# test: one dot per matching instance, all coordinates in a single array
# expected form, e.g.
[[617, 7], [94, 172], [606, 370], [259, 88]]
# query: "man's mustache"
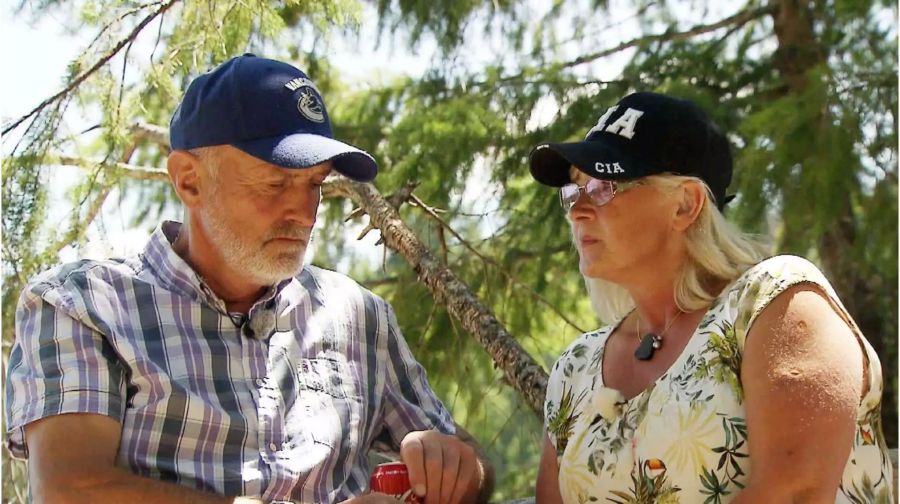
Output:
[[290, 231]]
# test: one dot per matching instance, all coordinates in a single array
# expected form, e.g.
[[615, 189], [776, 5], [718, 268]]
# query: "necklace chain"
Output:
[[651, 342], [664, 331]]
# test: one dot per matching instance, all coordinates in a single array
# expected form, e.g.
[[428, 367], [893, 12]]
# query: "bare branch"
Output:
[[519, 368], [103, 60], [398, 198]]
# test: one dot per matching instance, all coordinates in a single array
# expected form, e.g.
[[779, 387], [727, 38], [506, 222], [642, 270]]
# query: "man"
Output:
[[214, 367]]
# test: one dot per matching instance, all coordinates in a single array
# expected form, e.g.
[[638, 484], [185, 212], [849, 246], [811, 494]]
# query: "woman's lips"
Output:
[[587, 240]]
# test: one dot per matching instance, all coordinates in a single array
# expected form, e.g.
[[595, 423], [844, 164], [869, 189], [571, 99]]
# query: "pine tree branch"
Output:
[[102, 61], [119, 19]]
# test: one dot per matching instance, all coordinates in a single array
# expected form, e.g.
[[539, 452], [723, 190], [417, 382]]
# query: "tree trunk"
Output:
[[798, 52]]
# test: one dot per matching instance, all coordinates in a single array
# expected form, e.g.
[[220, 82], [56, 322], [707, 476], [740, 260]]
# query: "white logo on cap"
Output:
[[298, 82], [608, 168], [310, 105], [624, 125]]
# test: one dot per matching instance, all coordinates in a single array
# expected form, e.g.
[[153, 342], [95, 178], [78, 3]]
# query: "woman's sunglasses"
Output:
[[599, 192]]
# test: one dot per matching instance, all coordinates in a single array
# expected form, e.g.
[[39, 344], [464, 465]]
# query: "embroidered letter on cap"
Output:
[[602, 121], [299, 82], [624, 125]]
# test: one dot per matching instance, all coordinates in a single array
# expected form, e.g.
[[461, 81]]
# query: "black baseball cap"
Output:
[[268, 109], [644, 134]]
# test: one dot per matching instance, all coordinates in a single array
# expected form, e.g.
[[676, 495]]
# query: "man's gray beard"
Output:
[[250, 258]]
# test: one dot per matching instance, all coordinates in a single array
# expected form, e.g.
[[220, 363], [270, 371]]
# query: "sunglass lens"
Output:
[[600, 191], [568, 195]]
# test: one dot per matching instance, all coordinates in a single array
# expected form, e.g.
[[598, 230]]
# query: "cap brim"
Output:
[[550, 163], [303, 150]]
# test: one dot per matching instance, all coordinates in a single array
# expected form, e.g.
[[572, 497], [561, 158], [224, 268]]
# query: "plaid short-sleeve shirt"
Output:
[[283, 403]]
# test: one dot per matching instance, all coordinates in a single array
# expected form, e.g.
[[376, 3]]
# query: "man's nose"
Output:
[[301, 203]]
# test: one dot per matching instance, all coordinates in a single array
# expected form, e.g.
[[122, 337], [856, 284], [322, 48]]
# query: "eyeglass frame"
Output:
[[616, 185]]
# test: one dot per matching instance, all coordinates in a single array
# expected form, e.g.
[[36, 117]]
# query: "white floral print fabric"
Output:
[[684, 438]]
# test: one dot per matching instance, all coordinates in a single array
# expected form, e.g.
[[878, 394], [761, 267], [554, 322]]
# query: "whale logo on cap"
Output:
[[310, 105]]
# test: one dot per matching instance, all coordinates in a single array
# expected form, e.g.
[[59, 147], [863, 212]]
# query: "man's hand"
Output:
[[442, 468], [372, 498]]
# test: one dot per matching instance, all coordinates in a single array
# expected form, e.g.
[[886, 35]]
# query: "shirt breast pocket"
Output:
[[328, 405], [331, 377]]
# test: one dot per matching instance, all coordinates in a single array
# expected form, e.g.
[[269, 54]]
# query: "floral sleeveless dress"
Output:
[[684, 439]]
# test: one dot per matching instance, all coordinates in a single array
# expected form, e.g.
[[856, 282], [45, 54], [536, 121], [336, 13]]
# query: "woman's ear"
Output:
[[184, 172], [693, 196]]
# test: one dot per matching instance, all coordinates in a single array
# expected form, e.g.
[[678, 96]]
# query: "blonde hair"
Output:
[[717, 253]]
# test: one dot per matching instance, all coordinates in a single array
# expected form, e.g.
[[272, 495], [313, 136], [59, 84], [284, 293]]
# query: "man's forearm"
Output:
[[123, 486]]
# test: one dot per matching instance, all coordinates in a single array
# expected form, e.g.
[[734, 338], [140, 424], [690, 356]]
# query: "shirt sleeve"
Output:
[[409, 403], [768, 279], [552, 399], [58, 364]]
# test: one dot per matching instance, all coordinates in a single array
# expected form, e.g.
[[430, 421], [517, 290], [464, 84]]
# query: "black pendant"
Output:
[[649, 343]]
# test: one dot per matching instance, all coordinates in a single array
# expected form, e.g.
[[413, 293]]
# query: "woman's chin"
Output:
[[591, 269]]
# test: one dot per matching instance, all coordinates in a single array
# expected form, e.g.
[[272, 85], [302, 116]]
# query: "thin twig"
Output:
[[369, 284], [505, 424], [739, 19], [104, 60], [156, 134], [125, 169], [430, 211], [118, 20]]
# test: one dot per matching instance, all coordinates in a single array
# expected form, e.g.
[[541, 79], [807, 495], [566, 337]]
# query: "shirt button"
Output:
[[273, 447], [259, 382]]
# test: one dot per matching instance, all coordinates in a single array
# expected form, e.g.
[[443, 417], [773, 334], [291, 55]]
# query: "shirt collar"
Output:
[[176, 275]]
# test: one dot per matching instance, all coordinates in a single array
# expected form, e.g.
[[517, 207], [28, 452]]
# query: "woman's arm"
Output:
[[547, 491], [802, 375]]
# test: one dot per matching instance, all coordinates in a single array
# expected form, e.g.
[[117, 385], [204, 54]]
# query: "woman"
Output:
[[724, 376]]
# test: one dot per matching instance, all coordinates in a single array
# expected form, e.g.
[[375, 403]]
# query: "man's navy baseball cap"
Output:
[[267, 109], [644, 134]]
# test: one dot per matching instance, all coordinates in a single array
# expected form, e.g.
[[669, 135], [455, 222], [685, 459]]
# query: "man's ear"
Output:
[[184, 172], [693, 196]]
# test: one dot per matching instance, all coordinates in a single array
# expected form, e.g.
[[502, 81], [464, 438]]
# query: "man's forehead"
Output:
[[320, 170], [251, 167]]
